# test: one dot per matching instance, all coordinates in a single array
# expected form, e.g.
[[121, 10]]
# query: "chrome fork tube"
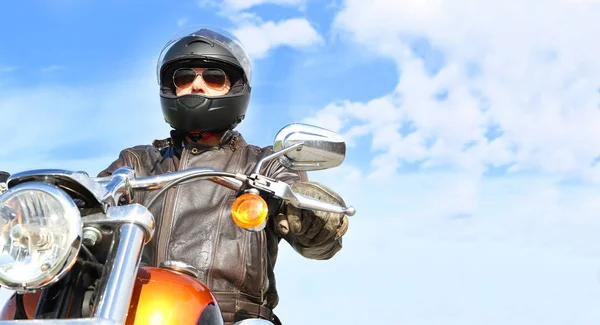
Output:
[[118, 280]]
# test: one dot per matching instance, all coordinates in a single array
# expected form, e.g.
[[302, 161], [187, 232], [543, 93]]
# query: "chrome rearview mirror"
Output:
[[315, 148]]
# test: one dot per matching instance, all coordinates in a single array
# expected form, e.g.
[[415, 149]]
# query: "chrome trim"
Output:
[[93, 188], [73, 218], [306, 202], [121, 267], [115, 216], [284, 191], [116, 285], [91, 235], [253, 321], [322, 148], [232, 181], [277, 154], [118, 185], [180, 267]]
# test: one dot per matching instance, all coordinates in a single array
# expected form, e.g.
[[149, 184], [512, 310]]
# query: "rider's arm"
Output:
[[124, 159], [315, 235]]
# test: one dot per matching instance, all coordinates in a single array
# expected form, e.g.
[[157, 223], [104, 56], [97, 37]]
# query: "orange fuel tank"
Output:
[[160, 296], [166, 297]]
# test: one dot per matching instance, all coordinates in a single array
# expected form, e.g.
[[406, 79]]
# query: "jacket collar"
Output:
[[231, 138]]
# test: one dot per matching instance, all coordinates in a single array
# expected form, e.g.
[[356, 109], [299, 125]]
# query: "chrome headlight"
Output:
[[253, 321], [40, 235]]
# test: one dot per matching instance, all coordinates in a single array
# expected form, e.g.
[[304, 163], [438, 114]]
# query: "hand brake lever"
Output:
[[284, 191]]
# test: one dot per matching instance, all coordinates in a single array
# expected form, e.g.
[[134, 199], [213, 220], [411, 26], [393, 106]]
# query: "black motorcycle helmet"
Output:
[[204, 47]]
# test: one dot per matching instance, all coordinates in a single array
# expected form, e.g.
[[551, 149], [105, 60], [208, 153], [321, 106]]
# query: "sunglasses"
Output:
[[213, 78]]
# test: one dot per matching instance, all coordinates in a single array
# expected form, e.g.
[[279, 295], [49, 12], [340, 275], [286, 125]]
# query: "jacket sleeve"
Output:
[[322, 251], [118, 163], [125, 159]]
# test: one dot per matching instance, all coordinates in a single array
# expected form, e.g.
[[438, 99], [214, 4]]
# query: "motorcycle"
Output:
[[71, 245]]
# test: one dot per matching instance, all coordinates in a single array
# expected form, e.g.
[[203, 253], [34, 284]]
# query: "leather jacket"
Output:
[[194, 223]]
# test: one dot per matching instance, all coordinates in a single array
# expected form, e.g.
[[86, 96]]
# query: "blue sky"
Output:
[[472, 131]]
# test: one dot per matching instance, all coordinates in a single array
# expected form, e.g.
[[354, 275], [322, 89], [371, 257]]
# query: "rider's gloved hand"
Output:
[[314, 234]]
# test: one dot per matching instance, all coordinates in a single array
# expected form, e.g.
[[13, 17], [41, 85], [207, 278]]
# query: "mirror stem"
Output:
[[275, 155]]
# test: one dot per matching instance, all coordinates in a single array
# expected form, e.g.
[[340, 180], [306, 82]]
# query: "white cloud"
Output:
[[47, 125], [536, 70], [428, 247], [240, 5], [450, 248], [331, 117], [262, 38], [232, 8]]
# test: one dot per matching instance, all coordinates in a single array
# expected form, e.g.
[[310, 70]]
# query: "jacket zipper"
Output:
[[167, 217], [262, 264]]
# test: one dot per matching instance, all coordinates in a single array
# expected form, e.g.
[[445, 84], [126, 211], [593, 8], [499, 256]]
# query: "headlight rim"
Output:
[[67, 260]]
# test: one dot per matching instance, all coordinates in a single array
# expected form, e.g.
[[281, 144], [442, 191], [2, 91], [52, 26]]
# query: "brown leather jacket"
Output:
[[194, 223]]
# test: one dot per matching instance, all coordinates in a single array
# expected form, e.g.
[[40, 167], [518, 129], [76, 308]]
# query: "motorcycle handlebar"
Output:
[[230, 180], [307, 202], [235, 182]]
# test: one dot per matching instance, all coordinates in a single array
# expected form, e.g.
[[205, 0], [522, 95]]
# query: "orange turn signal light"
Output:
[[249, 211]]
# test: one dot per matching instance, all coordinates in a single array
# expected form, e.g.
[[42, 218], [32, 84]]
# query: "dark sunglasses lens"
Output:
[[184, 78], [214, 78]]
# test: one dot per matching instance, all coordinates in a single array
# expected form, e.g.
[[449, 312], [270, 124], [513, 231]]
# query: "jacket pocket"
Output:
[[255, 277]]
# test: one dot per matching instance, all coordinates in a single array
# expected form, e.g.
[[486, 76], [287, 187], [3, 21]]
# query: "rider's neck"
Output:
[[212, 140]]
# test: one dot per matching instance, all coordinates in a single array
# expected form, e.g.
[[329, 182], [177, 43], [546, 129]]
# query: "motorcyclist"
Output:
[[205, 86]]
